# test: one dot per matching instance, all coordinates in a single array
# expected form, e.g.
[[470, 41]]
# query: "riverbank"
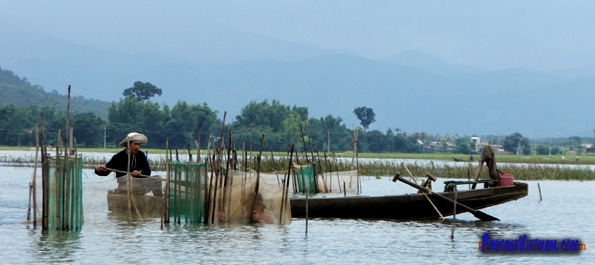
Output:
[[374, 165]]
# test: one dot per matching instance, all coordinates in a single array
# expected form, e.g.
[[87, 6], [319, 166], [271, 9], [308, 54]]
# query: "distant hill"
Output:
[[21, 93], [411, 91]]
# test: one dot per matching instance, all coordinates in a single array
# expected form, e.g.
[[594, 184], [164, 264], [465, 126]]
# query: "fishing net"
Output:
[[64, 194], [305, 179], [346, 182], [138, 197], [187, 192], [242, 197]]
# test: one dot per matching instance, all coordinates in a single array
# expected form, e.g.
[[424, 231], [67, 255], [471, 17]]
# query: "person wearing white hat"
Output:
[[139, 165]]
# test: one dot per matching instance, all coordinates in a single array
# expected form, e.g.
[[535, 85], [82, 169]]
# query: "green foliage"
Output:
[[142, 91], [88, 129], [543, 149], [574, 143], [517, 144], [463, 146], [181, 125], [365, 115], [279, 123], [291, 127]]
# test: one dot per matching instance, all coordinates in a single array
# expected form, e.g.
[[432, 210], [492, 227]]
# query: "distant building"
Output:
[[476, 140]]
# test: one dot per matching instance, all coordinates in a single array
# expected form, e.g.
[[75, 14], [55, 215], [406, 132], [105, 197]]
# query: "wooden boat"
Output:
[[470, 159], [145, 198], [409, 206]]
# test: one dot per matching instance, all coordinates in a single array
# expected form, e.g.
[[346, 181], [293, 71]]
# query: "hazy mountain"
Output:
[[432, 64], [413, 91], [20, 92]]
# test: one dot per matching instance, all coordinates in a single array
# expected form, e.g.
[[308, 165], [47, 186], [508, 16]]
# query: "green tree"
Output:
[[462, 146], [365, 115], [543, 149], [10, 116], [279, 124], [88, 129], [329, 128], [517, 144], [186, 121], [291, 130], [264, 114], [575, 143], [374, 141], [142, 91], [132, 115]]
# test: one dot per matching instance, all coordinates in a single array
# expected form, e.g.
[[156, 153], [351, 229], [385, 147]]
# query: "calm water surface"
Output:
[[566, 212]]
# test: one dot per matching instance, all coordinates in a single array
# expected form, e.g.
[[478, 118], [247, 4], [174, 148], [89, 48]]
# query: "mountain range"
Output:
[[411, 91]]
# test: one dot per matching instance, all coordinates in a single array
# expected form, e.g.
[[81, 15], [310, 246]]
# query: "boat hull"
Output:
[[411, 206], [145, 206]]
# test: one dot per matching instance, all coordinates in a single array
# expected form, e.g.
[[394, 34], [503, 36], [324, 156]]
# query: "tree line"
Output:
[[184, 125]]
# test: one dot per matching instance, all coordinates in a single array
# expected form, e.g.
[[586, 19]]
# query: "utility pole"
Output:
[[328, 146], [104, 136]]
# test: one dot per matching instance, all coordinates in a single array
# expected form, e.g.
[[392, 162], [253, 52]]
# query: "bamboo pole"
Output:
[[285, 195], [178, 191], [257, 186], [314, 162], [454, 217], [165, 215], [539, 188], [328, 169], [304, 144], [206, 199], [34, 180], [307, 210], [309, 139], [425, 194], [228, 180], [208, 184], [29, 207], [129, 180], [189, 153], [198, 160], [44, 176], [56, 180], [65, 196], [219, 180]]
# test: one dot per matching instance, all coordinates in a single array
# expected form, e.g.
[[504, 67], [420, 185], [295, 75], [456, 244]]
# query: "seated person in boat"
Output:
[[139, 165]]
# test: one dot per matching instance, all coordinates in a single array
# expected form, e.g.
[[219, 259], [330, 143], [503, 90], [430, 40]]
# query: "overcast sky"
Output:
[[533, 34]]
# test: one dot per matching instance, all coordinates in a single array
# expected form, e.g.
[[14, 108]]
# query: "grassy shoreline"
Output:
[[588, 159], [522, 167]]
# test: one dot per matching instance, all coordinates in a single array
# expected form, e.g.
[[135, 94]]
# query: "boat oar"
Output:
[[124, 172], [479, 214], [425, 194]]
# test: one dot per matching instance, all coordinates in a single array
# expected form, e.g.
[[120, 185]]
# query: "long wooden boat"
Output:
[[409, 206]]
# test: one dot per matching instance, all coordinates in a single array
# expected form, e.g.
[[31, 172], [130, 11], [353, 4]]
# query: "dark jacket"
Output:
[[119, 161]]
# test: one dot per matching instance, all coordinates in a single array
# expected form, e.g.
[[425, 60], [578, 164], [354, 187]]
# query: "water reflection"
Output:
[[564, 212], [56, 246]]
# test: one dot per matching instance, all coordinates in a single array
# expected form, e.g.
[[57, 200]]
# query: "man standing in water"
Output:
[[139, 165]]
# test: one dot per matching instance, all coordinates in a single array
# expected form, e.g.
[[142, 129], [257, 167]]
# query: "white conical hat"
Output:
[[134, 137]]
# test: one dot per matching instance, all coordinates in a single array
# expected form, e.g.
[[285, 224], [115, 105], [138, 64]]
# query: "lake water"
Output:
[[566, 212]]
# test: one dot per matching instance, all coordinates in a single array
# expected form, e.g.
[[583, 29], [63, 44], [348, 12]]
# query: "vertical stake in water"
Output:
[[454, 217], [307, 191], [539, 188]]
